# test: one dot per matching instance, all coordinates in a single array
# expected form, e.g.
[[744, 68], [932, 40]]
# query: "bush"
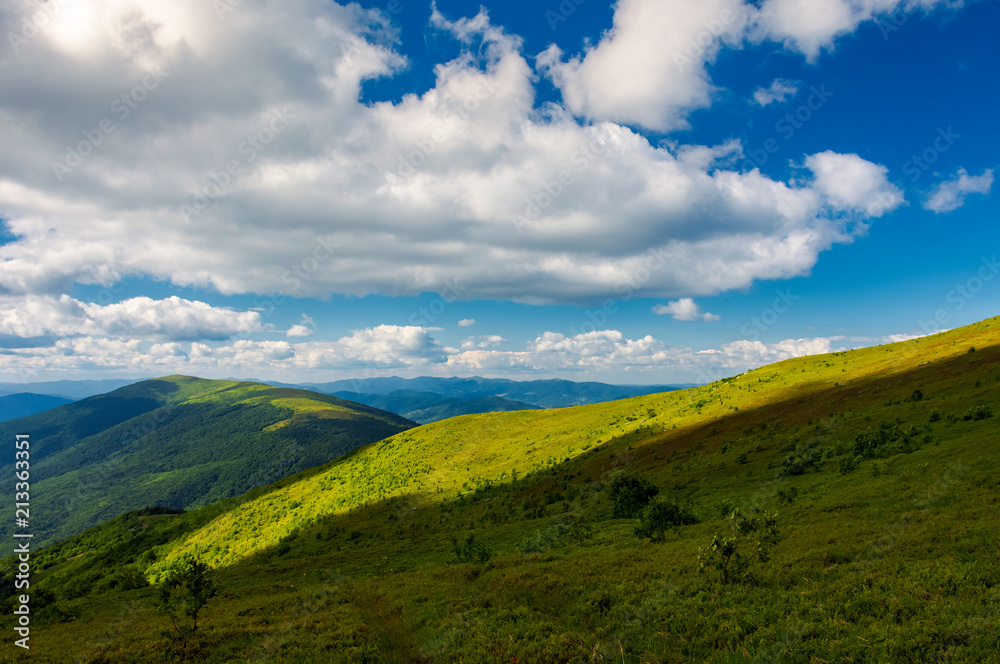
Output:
[[735, 557], [849, 464], [885, 441], [471, 551], [630, 494], [978, 413], [571, 529], [661, 515], [804, 457]]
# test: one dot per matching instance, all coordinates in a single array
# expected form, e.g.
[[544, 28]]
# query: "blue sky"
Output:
[[643, 192]]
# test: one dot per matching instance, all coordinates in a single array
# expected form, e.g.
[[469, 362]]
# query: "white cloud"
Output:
[[849, 182], [305, 328], [468, 182], [467, 322], [684, 309], [413, 351], [484, 341], [950, 194], [808, 26], [649, 69], [779, 90], [173, 318]]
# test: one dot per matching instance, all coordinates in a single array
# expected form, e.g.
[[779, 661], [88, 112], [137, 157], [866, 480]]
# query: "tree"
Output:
[[184, 593]]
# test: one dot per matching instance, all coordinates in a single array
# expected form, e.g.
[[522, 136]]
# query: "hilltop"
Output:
[[867, 477], [179, 442]]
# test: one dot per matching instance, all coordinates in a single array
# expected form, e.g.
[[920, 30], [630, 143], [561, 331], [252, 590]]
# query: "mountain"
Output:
[[178, 442], [13, 406], [551, 393], [68, 389], [835, 508], [426, 407]]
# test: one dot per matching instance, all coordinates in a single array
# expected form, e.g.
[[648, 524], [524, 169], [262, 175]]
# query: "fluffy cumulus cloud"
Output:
[[950, 194], [684, 309], [483, 341], [779, 90], [467, 322], [850, 183], [808, 26], [233, 153], [173, 318]]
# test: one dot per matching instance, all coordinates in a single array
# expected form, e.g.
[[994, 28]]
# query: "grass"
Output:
[[888, 556]]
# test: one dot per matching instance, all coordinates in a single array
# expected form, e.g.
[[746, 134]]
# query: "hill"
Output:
[[68, 389], [13, 406], [551, 393], [832, 508], [426, 407], [178, 442]]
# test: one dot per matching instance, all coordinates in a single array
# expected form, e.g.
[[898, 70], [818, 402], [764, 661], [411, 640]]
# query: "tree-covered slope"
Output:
[[179, 442]]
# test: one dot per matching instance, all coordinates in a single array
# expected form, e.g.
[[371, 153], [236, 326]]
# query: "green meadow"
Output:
[[831, 508]]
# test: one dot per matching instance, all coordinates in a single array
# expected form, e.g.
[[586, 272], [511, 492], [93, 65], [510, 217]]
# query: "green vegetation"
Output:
[[178, 442], [184, 592], [837, 521]]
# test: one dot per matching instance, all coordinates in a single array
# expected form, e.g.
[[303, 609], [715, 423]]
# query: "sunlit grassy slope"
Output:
[[444, 459], [181, 442], [884, 557]]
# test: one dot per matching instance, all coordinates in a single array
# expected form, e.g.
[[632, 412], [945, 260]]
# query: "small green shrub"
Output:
[[661, 515], [630, 494], [472, 551], [735, 557], [978, 413]]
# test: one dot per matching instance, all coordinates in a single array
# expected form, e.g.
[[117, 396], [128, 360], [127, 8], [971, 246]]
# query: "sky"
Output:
[[646, 191]]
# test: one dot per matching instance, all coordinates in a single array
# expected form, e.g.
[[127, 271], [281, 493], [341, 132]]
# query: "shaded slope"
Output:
[[180, 442], [13, 406]]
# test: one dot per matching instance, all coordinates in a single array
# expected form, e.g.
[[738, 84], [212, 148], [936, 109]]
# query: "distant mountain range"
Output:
[[21, 405], [178, 442], [552, 393], [69, 389], [427, 407], [423, 400]]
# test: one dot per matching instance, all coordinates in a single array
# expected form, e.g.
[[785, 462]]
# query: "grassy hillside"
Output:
[[865, 498], [179, 442]]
